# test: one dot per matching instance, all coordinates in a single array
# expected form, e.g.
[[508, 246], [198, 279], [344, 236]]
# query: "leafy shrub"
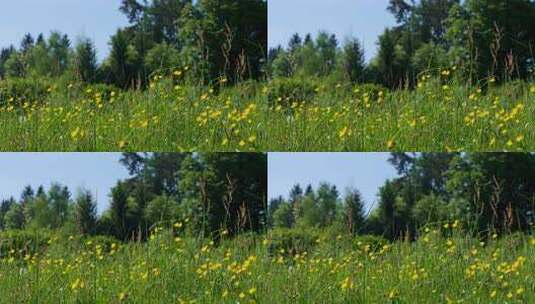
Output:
[[373, 242], [100, 241], [162, 58], [159, 85], [24, 90], [18, 243], [430, 57], [370, 90], [286, 91], [105, 91], [292, 241]]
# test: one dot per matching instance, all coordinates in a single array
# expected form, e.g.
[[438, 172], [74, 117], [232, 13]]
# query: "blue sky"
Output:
[[95, 19], [363, 19], [97, 172], [364, 171]]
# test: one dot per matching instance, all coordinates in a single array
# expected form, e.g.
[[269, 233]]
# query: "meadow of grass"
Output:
[[441, 114], [442, 266]]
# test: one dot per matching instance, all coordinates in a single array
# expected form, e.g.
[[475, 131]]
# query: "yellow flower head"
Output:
[[123, 296]]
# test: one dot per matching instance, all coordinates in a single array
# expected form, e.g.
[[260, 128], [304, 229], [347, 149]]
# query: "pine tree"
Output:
[[27, 194], [15, 66], [59, 200], [353, 61], [295, 42], [27, 43], [119, 209], [5, 53], [296, 193], [58, 48], [385, 59], [283, 216], [326, 201], [40, 40], [123, 60], [14, 218], [85, 213], [390, 206], [85, 61], [5, 205], [353, 211]]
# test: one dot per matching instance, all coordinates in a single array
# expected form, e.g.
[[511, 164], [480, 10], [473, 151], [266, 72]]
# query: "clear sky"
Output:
[[362, 19], [95, 19], [97, 172], [364, 171]]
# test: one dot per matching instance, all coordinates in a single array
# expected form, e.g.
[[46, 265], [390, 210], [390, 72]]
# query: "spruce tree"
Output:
[[85, 61], [85, 213]]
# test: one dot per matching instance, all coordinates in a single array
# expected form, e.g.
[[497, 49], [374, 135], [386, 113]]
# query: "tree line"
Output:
[[482, 39], [210, 38], [214, 192], [207, 192], [484, 192]]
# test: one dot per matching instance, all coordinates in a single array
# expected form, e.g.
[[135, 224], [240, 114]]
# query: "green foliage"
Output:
[[19, 243], [103, 242], [353, 212], [85, 213], [26, 43], [5, 205], [38, 213], [38, 61], [124, 60], [58, 47], [105, 92], [84, 61], [162, 58], [226, 196], [373, 242], [430, 58], [290, 242], [283, 216], [161, 210], [502, 188], [287, 91], [120, 209], [327, 200], [282, 65], [14, 66], [353, 63], [370, 90], [59, 200], [5, 53], [393, 60], [429, 209], [478, 37], [308, 212], [219, 40], [24, 90], [389, 211], [14, 217]]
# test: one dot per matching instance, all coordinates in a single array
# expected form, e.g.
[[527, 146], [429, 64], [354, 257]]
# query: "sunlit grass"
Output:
[[439, 115], [175, 268]]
